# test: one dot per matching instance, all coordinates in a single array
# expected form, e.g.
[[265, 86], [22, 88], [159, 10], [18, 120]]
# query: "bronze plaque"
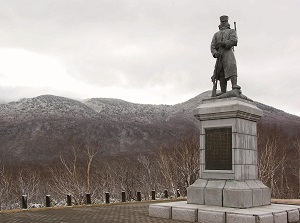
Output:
[[218, 149]]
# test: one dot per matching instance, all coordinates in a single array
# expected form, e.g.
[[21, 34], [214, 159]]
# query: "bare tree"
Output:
[[296, 168], [272, 159], [73, 174], [146, 174], [179, 165], [187, 158], [91, 153], [165, 164], [5, 188]]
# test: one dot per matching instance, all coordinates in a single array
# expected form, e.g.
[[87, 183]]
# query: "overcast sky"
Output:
[[146, 51]]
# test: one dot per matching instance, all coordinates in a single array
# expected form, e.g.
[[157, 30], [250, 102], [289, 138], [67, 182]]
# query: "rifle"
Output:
[[235, 31], [214, 90], [215, 80]]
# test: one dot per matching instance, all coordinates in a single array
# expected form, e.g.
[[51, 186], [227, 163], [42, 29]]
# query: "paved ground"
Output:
[[123, 213]]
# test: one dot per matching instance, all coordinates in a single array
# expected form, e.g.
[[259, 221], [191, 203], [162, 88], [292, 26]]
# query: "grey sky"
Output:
[[146, 51]]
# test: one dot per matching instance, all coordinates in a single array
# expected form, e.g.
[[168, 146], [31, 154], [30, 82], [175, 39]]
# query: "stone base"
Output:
[[274, 213], [229, 193]]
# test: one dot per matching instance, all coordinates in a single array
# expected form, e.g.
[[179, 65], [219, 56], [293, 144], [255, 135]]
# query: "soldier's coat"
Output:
[[227, 65]]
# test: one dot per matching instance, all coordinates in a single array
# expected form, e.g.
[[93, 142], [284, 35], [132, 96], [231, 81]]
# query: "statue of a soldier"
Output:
[[222, 48]]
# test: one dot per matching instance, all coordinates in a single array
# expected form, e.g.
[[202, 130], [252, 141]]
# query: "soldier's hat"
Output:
[[224, 18]]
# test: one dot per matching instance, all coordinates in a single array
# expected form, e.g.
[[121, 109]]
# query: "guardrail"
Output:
[[88, 200]]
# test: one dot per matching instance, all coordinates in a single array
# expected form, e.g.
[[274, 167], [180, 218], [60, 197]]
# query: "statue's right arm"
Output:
[[213, 44]]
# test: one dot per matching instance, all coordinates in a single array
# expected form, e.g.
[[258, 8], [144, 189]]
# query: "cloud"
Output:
[[158, 49]]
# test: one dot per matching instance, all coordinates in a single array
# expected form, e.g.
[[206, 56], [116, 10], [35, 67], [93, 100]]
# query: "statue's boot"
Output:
[[223, 85], [234, 83]]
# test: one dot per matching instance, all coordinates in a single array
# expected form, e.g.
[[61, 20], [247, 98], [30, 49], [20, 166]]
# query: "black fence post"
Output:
[[69, 200], [48, 201], [139, 196], [88, 199], [24, 201], [166, 194], [123, 196], [177, 193], [153, 194], [107, 198]]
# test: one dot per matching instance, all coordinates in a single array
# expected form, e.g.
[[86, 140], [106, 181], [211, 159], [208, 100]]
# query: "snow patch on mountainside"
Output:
[[36, 128]]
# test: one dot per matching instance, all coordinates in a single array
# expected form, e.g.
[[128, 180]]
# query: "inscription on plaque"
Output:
[[218, 149]]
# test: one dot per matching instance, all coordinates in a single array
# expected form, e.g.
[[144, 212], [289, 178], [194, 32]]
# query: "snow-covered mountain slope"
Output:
[[45, 106], [37, 129], [120, 110]]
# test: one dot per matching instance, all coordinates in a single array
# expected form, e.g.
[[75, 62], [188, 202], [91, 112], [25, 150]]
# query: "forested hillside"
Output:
[[58, 146]]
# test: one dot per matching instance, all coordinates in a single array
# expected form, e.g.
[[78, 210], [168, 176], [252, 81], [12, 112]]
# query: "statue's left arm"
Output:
[[232, 40]]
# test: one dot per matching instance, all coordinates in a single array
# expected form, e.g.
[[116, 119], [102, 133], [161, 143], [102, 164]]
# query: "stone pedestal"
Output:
[[228, 190], [228, 155], [274, 213]]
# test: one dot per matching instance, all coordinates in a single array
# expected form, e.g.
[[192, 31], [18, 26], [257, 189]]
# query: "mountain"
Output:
[[39, 129], [272, 116]]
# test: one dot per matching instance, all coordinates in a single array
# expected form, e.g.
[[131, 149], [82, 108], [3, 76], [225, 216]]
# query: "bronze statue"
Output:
[[222, 48]]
